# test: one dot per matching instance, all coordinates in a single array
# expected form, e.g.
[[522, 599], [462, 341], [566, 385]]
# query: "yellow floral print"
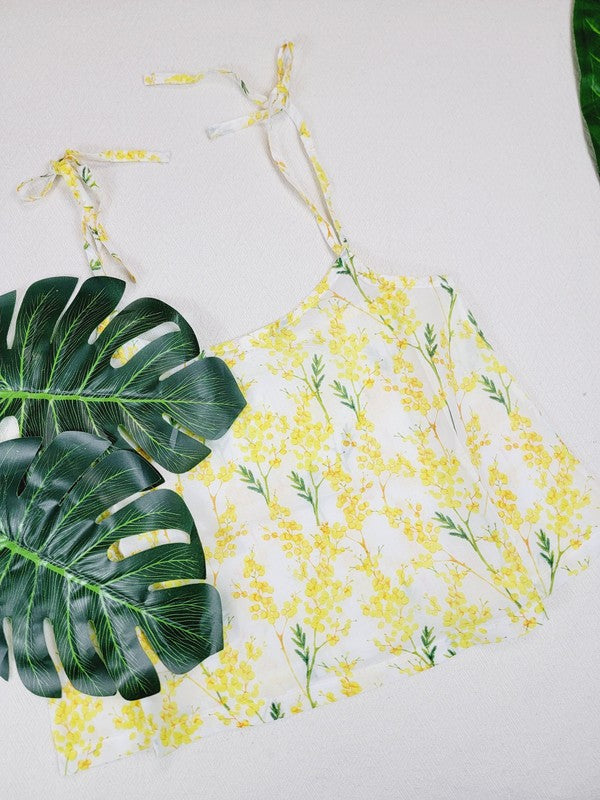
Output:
[[389, 497]]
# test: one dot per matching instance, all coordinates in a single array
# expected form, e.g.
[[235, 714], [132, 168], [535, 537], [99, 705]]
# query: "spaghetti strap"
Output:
[[83, 188], [267, 106]]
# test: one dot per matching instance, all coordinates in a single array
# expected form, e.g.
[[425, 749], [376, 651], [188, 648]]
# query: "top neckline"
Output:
[[267, 106], [325, 285]]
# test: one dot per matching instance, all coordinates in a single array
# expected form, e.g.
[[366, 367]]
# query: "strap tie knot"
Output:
[[83, 188], [268, 106]]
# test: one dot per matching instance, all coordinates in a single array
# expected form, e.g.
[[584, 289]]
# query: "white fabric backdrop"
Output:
[[452, 135]]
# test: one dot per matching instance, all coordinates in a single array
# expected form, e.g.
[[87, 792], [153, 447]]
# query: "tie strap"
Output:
[[84, 190], [267, 106]]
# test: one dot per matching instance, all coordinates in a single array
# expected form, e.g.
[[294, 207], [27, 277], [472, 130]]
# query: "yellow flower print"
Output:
[[344, 669], [141, 725], [389, 497], [73, 733]]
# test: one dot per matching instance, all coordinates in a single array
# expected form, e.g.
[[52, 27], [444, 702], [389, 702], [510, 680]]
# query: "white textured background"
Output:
[[451, 131]]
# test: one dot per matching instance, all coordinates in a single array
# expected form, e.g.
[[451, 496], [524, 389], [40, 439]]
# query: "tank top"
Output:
[[389, 497]]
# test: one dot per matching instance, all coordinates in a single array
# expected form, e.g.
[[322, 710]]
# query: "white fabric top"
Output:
[[536, 229]]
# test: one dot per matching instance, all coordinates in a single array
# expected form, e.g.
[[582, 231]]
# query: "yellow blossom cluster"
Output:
[[263, 436], [74, 728]]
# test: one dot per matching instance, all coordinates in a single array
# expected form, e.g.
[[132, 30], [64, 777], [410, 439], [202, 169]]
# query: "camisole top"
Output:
[[389, 497]]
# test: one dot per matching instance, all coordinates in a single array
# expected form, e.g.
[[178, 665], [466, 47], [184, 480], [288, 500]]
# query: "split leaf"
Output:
[[57, 523], [56, 376]]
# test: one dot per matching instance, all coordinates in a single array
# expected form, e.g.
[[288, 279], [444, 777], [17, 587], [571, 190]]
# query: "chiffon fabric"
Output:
[[389, 497]]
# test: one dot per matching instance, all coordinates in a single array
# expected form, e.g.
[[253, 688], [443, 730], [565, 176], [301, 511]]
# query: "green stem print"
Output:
[[427, 653], [345, 266], [86, 177], [429, 648], [217, 696], [275, 711], [551, 557], [308, 656], [464, 531], [431, 345], [447, 288], [317, 377], [350, 400], [547, 553], [258, 485], [527, 543], [478, 330], [454, 529], [314, 382], [428, 354], [498, 394], [501, 396], [308, 493]]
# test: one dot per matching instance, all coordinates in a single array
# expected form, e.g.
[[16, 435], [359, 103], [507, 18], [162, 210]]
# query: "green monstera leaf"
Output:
[[55, 376], [586, 34], [55, 536]]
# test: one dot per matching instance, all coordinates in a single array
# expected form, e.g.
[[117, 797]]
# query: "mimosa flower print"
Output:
[[389, 497]]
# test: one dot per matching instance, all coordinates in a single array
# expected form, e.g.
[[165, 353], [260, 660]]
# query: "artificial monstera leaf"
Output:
[[586, 31], [55, 536], [55, 376]]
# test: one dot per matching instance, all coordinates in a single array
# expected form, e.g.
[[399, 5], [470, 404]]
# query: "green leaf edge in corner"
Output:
[[586, 34], [56, 376], [55, 535]]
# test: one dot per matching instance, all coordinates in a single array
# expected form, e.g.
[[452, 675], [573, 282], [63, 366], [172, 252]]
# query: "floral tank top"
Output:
[[389, 497]]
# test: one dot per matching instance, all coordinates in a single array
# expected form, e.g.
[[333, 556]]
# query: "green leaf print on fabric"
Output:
[[57, 526], [501, 396], [55, 376], [551, 558], [308, 656], [478, 330], [464, 531], [314, 382], [253, 483], [345, 398], [430, 340], [448, 524], [308, 493], [429, 648]]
